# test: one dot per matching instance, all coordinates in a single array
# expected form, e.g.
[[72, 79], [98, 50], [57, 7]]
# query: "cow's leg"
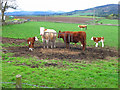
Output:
[[84, 45], [81, 45], [96, 44], [54, 44], [31, 49], [30, 46], [43, 43], [42, 38], [47, 41], [83, 42], [67, 45], [51, 44], [102, 44]]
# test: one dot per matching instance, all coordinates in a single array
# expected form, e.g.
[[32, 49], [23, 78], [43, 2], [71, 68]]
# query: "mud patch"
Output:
[[60, 52]]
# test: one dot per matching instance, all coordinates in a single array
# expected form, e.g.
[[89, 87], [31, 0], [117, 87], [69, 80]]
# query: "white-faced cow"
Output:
[[48, 36], [97, 40]]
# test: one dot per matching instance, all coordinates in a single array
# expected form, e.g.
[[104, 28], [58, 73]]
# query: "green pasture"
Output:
[[109, 21], [98, 74], [81, 74], [31, 29]]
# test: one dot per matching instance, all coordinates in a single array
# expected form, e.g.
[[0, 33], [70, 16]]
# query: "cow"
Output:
[[75, 37], [83, 26], [31, 41], [48, 36], [97, 40]]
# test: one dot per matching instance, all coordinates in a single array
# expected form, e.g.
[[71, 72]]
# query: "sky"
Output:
[[60, 5]]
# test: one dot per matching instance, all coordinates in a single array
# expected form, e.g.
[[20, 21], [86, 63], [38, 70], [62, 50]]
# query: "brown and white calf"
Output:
[[83, 26], [31, 41], [98, 40]]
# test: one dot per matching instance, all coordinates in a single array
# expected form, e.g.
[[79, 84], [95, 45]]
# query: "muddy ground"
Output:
[[58, 19], [58, 53]]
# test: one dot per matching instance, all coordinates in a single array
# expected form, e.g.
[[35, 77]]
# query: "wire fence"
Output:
[[25, 84]]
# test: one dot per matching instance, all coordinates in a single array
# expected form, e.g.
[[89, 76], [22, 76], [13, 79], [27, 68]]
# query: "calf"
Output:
[[98, 39], [83, 26], [31, 41]]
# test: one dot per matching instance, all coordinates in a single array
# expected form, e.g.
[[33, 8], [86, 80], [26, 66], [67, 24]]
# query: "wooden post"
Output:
[[18, 81]]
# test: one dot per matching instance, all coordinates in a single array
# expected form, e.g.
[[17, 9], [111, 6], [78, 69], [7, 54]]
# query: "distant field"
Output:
[[57, 19], [76, 16], [32, 29], [109, 21]]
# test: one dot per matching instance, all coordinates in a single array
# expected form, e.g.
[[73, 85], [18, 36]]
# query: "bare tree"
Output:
[[6, 4]]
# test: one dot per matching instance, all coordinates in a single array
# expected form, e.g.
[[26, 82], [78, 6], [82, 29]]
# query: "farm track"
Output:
[[73, 54], [58, 19]]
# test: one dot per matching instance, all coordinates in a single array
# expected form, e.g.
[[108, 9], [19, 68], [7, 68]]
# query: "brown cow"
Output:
[[31, 41], [75, 37]]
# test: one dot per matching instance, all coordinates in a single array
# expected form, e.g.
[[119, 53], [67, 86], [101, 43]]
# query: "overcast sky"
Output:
[[60, 5]]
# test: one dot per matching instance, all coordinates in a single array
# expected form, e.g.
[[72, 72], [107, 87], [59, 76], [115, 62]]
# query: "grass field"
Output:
[[32, 29], [109, 21], [98, 74], [81, 74]]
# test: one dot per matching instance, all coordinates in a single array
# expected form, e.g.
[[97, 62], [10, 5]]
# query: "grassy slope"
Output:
[[31, 29]]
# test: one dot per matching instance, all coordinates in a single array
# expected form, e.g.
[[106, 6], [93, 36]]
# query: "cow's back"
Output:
[[50, 36]]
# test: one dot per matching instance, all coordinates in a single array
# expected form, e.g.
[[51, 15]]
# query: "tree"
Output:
[[5, 5]]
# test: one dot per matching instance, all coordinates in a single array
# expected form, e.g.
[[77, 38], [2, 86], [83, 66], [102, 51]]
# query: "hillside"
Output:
[[33, 13], [104, 10]]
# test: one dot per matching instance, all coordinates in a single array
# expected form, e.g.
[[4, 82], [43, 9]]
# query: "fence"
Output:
[[14, 22], [19, 83]]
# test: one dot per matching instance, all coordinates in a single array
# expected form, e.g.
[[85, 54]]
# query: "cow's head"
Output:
[[36, 39], [92, 38], [42, 30]]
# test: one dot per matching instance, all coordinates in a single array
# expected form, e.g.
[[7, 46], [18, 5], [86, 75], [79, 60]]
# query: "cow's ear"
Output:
[[59, 31]]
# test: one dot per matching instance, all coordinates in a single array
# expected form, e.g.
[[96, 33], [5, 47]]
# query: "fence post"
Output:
[[18, 81]]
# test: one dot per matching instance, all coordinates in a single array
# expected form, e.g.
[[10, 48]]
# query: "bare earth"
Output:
[[58, 19], [60, 52]]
